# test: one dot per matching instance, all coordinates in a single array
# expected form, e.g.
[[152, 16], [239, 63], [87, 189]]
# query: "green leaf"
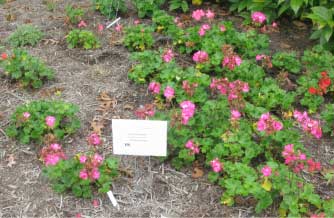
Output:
[[296, 4]]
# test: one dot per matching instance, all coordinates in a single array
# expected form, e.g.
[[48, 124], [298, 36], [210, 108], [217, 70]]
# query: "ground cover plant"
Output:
[[25, 35], [226, 109], [28, 71]]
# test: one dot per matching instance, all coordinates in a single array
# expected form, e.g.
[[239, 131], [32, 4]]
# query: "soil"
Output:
[[150, 188]]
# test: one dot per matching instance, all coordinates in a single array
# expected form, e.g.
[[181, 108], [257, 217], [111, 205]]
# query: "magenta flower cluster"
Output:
[[91, 167], [194, 149], [94, 139], [232, 89], [268, 124], [154, 87], [188, 111], [216, 165], [231, 61], [52, 154], [168, 56], [298, 160], [309, 125], [258, 17], [203, 29], [200, 57], [199, 14]]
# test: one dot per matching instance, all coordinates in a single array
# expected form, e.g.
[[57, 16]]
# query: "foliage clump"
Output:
[[25, 35]]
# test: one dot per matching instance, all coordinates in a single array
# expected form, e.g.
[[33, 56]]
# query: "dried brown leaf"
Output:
[[97, 126], [11, 160], [197, 173]]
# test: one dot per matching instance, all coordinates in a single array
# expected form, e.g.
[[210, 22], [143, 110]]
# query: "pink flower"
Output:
[[258, 17], [266, 171], [78, 215], [201, 32], [118, 27], [51, 159], [100, 27], [50, 121], [168, 56], [245, 87], [216, 165], [209, 14], [302, 157], [189, 144], [188, 111], [277, 125], [97, 159], [26, 115], [237, 60], [308, 124], [154, 87], [95, 174], [274, 25], [82, 159], [192, 147], [96, 203], [222, 28], [268, 124], [4, 56], [169, 93], [200, 57], [136, 22], [83, 174], [82, 24], [259, 57], [235, 114], [55, 147], [198, 14], [94, 139]]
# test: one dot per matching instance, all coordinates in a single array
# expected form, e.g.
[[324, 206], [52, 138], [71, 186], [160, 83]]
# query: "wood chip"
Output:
[[197, 173]]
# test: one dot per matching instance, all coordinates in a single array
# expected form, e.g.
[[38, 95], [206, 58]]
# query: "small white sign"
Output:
[[139, 137], [112, 199]]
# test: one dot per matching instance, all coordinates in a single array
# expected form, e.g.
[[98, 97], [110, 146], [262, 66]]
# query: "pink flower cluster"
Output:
[[189, 88], [297, 160], [52, 154], [231, 61], [188, 111], [118, 27], [232, 89], [50, 121], [203, 29], [266, 171], [194, 149], [309, 125], [168, 56], [235, 115], [91, 164], [154, 87], [94, 139], [200, 57], [199, 14], [82, 23], [26, 115], [216, 165], [268, 124], [258, 17], [145, 111], [169, 93]]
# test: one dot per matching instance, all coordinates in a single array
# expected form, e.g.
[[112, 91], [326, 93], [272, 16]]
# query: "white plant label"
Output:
[[113, 199], [139, 137]]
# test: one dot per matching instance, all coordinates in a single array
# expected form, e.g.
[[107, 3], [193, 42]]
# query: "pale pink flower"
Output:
[[95, 174], [97, 159], [245, 87], [266, 171], [189, 144], [136, 22], [100, 27], [55, 147], [51, 159], [258, 17], [82, 24], [201, 32], [216, 165], [50, 121], [82, 159], [235, 114], [188, 111], [200, 57], [168, 56], [94, 139], [169, 92], [198, 14], [26, 115], [274, 24], [259, 57], [237, 60], [154, 87], [83, 174], [222, 28], [210, 14], [118, 27]]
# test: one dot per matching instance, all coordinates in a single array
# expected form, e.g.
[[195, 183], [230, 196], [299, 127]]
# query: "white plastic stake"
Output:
[[113, 199], [112, 23]]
